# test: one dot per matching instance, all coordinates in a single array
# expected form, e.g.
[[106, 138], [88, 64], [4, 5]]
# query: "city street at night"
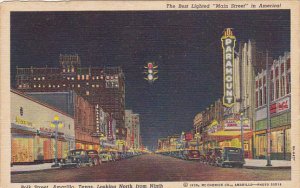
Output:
[[154, 96], [151, 167]]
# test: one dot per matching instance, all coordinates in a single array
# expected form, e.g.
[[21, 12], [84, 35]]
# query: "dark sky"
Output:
[[186, 46]]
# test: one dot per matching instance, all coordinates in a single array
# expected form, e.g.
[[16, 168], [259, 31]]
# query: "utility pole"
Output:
[[241, 102], [268, 113]]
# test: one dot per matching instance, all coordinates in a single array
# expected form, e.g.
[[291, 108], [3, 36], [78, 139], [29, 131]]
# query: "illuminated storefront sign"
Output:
[[188, 136], [109, 128], [280, 106], [228, 44], [21, 121], [233, 124]]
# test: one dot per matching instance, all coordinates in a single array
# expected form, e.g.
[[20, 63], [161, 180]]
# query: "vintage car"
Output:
[[77, 158], [105, 156], [215, 154], [191, 155], [230, 156], [93, 154]]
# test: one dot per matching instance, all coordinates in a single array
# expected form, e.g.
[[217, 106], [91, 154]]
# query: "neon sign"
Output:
[[228, 44]]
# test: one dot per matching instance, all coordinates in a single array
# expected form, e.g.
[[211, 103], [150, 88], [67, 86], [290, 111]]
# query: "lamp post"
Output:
[[197, 139], [56, 122], [268, 114]]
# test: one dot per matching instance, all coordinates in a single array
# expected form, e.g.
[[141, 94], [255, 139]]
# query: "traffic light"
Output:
[[151, 72]]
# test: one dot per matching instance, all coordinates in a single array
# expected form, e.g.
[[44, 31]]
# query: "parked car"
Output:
[[77, 158], [116, 156], [93, 154], [105, 156], [191, 154], [215, 155], [207, 155], [231, 156]]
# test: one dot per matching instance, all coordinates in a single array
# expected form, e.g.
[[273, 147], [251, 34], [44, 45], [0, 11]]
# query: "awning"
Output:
[[23, 128], [228, 135]]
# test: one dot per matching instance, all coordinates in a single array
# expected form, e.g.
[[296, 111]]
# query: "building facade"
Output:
[[33, 132], [102, 86], [280, 110], [132, 121], [80, 109]]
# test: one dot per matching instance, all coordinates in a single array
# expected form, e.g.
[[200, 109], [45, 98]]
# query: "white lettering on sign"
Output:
[[228, 44], [232, 124], [280, 106]]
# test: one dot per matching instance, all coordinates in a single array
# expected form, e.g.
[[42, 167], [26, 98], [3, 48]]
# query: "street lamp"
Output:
[[56, 123], [197, 139]]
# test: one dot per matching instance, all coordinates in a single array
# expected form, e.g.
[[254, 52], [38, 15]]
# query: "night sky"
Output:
[[185, 45]]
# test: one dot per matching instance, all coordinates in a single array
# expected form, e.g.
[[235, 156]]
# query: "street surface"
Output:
[[148, 168]]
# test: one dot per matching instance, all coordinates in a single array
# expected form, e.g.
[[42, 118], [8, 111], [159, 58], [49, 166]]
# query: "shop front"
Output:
[[280, 131], [228, 134], [32, 133]]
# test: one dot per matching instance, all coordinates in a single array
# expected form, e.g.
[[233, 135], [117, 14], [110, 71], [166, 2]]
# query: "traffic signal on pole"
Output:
[[151, 72]]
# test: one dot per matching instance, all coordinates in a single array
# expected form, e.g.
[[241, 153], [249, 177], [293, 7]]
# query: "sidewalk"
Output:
[[261, 163], [30, 168]]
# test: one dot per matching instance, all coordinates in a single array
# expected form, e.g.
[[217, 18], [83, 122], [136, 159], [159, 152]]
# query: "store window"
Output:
[[288, 140]]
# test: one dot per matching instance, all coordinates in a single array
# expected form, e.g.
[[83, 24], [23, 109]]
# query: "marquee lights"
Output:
[[228, 44]]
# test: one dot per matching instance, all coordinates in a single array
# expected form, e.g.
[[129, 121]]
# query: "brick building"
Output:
[[102, 86]]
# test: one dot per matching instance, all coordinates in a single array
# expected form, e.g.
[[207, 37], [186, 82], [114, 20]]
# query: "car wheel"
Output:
[[78, 164], [91, 162], [96, 162]]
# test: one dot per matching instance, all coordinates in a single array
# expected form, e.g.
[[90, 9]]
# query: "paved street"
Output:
[[150, 167]]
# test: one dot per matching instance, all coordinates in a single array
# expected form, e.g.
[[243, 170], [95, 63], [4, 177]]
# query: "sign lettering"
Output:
[[228, 44]]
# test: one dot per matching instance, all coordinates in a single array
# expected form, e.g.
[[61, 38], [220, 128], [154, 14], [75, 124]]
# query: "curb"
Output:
[[267, 168], [29, 171]]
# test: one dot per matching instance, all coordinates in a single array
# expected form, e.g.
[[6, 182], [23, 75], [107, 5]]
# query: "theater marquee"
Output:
[[228, 44]]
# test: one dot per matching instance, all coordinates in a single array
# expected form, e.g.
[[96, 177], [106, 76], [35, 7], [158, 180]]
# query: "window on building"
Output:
[[97, 85], [288, 83], [34, 86], [49, 85], [272, 90], [43, 78], [72, 78], [78, 85], [87, 77], [82, 77], [87, 93], [93, 85], [64, 70], [53, 86], [277, 89], [58, 86], [39, 78], [34, 78], [283, 87], [68, 78], [39, 85], [72, 69], [260, 96], [265, 95]]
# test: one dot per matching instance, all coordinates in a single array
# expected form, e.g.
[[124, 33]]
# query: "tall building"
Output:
[[132, 121], [280, 110], [102, 86]]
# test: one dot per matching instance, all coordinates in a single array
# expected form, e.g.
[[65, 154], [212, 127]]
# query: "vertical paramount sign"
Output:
[[228, 44]]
